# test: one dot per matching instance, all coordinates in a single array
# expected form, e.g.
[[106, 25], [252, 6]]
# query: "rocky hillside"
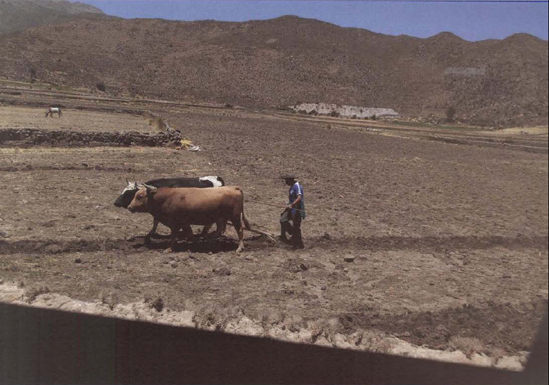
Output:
[[288, 61], [17, 15]]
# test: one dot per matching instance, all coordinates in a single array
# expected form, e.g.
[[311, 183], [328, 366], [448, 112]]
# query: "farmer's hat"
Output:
[[289, 176]]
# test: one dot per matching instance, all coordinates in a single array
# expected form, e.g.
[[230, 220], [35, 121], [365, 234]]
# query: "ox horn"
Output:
[[150, 188]]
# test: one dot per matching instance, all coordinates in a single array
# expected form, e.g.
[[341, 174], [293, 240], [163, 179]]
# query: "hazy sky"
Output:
[[470, 20]]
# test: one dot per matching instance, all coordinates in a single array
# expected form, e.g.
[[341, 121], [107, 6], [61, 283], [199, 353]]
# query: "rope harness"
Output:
[[271, 205]]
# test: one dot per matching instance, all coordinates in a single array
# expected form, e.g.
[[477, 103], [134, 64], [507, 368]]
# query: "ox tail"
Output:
[[248, 226], [244, 219]]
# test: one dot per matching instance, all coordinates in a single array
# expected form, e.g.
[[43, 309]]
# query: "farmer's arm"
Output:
[[296, 202]]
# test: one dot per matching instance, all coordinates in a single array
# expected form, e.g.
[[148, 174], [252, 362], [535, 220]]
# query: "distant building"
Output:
[[345, 111]]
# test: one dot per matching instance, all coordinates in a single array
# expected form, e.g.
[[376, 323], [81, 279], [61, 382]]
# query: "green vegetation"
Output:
[[443, 127], [32, 75], [450, 114]]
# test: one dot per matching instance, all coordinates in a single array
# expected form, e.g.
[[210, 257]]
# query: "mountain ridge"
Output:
[[289, 60], [19, 15]]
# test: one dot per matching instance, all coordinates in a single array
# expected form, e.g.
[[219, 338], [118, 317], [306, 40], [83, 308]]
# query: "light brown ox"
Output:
[[179, 208]]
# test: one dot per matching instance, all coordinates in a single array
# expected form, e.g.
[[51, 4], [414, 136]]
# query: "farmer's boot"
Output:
[[297, 239]]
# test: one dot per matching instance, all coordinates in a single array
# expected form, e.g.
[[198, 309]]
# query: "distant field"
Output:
[[438, 127], [72, 119], [536, 131], [424, 241]]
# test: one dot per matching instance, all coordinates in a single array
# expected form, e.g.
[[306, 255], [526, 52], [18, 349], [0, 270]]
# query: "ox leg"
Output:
[[174, 240], [221, 225], [153, 231], [187, 232], [220, 230], [205, 230], [240, 231]]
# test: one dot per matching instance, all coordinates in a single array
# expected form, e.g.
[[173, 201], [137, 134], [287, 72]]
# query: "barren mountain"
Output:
[[284, 61], [17, 15]]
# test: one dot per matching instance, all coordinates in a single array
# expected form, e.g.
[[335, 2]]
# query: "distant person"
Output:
[[294, 213]]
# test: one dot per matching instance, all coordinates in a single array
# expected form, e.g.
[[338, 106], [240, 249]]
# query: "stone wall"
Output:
[[58, 138]]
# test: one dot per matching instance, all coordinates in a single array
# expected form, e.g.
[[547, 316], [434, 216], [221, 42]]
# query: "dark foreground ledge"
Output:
[[40, 346], [26, 137]]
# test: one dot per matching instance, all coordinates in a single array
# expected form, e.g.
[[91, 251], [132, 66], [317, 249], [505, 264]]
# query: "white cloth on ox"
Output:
[[214, 179], [132, 186]]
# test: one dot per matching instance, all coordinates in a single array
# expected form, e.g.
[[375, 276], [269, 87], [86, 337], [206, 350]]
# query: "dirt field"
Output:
[[431, 242]]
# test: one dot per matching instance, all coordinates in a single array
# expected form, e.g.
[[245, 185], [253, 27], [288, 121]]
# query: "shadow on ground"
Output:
[[44, 347], [226, 244]]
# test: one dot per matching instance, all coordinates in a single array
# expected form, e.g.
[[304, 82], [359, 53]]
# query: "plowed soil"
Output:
[[424, 240]]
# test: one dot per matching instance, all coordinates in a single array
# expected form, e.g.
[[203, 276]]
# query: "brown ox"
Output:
[[179, 208]]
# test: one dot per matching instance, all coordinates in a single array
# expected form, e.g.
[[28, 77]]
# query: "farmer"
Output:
[[295, 213]]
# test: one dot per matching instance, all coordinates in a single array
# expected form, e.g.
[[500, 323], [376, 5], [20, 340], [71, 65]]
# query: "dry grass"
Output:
[[158, 122], [110, 299], [73, 120], [33, 292], [536, 131], [469, 346]]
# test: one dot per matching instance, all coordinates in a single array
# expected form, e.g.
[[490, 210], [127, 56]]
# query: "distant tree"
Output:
[[450, 114], [101, 86], [374, 117]]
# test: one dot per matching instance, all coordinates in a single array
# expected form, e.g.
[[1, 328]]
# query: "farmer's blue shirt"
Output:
[[295, 191]]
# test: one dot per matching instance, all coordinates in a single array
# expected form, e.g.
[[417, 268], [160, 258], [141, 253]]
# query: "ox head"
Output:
[[140, 203], [127, 195]]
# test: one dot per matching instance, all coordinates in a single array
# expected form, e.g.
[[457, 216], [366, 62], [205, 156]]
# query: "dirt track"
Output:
[[447, 241]]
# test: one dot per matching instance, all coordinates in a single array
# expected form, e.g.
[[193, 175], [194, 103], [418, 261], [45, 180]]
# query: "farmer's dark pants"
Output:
[[294, 228]]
